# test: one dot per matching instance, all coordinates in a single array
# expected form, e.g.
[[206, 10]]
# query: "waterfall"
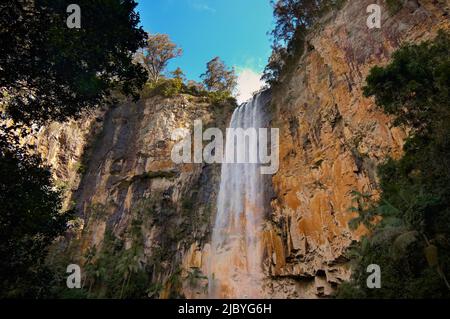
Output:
[[235, 269]]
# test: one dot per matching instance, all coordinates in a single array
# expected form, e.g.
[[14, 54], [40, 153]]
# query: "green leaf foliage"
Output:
[[411, 241], [30, 219], [51, 71]]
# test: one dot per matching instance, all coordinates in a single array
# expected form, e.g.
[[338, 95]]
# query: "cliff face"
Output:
[[332, 138], [117, 169]]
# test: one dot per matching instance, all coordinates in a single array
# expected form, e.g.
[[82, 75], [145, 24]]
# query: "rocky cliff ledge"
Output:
[[332, 140]]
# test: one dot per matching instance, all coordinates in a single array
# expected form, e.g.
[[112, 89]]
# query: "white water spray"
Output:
[[235, 269]]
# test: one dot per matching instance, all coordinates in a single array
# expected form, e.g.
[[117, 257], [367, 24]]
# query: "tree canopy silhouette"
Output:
[[49, 71]]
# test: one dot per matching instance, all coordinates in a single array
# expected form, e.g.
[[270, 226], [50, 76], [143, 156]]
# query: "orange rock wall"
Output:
[[332, 139]]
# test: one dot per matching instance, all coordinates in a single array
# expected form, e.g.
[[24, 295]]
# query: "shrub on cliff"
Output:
[[164, 87], [171, 87], [411, 243]]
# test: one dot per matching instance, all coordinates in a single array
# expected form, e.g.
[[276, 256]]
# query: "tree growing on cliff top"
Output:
[[157, 53], [218, 78]]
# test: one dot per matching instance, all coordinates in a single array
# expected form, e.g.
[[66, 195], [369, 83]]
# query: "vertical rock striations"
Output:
[[332, 139], [118, 166]]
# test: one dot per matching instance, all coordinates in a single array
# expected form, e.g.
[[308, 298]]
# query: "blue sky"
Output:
[[235, 30]]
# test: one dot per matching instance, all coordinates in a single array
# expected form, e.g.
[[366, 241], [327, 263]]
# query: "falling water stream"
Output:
[[235, 269]]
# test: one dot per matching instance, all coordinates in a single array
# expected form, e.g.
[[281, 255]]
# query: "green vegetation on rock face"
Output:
[[111, 270], [116, 272], [131, 265], [409, 225], [394, 6]]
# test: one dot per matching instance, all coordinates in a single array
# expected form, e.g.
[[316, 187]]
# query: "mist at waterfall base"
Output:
[[235, 265]]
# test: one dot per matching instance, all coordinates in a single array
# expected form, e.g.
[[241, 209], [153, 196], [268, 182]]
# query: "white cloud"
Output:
[[201, 6], [248, 82]]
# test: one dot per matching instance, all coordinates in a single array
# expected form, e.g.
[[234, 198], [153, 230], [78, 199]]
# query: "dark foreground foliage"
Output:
[[51, 72], [30, 219]]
